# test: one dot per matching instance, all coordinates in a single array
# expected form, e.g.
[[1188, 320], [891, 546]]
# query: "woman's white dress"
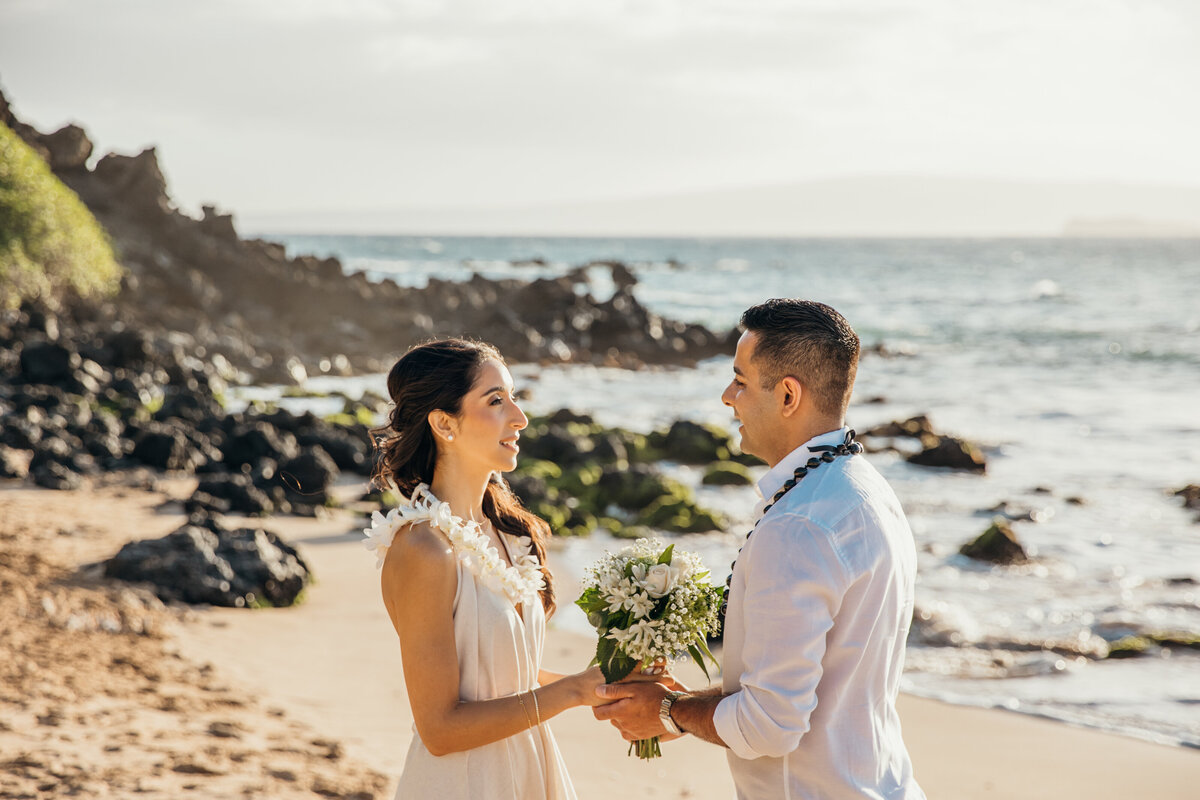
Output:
[[499, 652]]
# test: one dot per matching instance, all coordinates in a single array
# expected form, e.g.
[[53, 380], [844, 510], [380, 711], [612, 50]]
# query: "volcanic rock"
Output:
[[235, 568], [1190, 495], [164, 447], [949, 451], [252, 441], [309, 475], [997, 545], [239, 491], [915, 427], [46, 362], [53, 475], [69, 148]]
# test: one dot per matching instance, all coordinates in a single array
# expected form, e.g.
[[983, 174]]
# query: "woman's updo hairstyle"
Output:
[[436, 376]]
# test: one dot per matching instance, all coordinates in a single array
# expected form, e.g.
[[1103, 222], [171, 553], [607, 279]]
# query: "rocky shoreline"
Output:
[[280, 318]]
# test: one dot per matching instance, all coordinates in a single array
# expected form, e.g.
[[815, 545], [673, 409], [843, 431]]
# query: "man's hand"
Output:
[[633, 709]]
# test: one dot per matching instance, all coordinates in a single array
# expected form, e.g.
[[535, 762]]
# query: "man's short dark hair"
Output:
[[810, 342]]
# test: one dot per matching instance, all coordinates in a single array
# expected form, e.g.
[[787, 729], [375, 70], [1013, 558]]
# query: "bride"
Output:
[[465, 583]]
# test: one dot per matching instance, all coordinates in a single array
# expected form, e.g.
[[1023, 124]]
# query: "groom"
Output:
[[821, 594]]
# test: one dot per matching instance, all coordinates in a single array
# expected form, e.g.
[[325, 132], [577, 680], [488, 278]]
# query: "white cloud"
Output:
[[268, 105]]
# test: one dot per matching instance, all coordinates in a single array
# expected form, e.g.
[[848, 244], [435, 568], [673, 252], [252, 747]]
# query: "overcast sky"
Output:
[[269, 106]]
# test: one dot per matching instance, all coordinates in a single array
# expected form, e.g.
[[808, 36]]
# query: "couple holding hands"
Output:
[[817, 610]]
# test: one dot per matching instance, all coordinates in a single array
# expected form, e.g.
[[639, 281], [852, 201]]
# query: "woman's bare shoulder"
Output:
[[419, 546]]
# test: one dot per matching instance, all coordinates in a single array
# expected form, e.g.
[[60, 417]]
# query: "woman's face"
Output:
[[490, 421]]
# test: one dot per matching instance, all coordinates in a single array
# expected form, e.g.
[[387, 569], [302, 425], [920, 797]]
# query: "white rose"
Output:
[[660, 579]]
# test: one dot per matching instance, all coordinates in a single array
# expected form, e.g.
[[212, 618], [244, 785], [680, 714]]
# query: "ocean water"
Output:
[[1076, 364]]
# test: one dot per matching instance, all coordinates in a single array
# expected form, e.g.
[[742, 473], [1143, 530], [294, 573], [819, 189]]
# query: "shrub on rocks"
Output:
[[727, 473], [1130, 647], [608, 448], [580, 476], [680, 515], [690, 443], [556, 444], [49, 242], [636, 487]]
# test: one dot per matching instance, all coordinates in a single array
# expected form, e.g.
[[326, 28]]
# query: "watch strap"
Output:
[[664, 712]]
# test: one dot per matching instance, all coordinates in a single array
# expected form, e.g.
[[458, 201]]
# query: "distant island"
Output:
[[866, 206], [1129, 228]]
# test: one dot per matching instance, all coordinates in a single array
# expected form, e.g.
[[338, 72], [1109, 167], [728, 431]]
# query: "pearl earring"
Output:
[[450, 437]]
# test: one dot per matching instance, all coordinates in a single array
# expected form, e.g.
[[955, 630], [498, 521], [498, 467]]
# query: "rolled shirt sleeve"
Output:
[[793, 581]]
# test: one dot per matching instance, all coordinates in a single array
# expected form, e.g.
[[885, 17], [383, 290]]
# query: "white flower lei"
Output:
[[520, 582]]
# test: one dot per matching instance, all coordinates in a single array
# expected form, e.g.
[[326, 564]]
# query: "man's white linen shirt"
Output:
[[819, 610]]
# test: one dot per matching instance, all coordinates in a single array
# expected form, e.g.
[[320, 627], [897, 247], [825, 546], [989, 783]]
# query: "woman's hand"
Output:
[[585, 684]]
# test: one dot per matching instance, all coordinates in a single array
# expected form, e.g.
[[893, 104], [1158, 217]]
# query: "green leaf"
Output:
[[696, 655], [593, 605], [665, 558], [660, 607], [618, 667], [704, 647], [605, 649]]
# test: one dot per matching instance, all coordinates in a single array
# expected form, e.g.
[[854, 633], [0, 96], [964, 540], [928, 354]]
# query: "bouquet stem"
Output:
[[646, 748]]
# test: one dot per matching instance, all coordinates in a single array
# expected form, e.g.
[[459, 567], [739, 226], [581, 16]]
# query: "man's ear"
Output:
[[443, 425], [789, 391]]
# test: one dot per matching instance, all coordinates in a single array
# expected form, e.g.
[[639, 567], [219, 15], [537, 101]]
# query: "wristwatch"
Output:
[[664, 712]]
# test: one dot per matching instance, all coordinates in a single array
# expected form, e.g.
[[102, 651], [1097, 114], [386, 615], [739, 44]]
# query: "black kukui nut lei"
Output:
[[828, 453]]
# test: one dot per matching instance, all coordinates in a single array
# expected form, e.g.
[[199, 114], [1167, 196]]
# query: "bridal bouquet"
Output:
[[649, 603]]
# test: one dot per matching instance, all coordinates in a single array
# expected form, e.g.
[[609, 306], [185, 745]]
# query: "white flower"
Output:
[[640, 604], [520, 582], [659, 579], [640, 636], [617, 597], [444, 518], [632, 584], [381, 532]]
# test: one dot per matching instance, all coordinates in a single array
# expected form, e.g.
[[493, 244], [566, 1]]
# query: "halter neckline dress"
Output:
[[499, 653]]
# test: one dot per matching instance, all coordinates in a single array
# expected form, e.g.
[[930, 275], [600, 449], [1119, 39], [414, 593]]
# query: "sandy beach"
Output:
[[105, 692]]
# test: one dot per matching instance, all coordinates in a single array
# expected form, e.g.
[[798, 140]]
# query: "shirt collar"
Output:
[[771, 483]]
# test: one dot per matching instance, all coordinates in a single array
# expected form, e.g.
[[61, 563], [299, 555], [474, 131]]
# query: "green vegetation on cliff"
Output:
[[49, 242]]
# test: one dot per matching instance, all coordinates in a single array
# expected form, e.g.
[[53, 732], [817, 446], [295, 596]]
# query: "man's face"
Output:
[[753, 406]]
